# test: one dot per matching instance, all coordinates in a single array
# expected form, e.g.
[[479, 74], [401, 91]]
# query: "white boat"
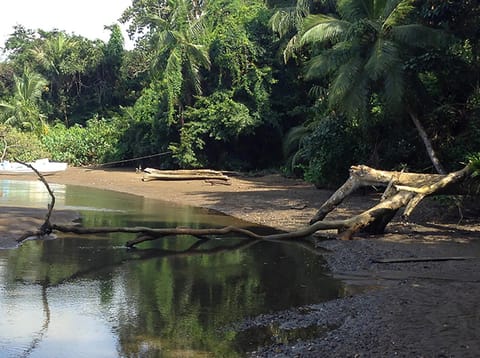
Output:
[[44, 166]]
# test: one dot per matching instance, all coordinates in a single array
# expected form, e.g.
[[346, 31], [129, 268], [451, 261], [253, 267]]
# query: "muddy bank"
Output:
[[16, 221], [416, 309]]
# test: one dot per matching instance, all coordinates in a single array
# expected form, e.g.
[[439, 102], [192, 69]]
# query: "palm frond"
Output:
[[383, 56], [317, 19], [196, 57], [6, 106], [396, 12], [317, 92], [321, 28], [173, 72], [289, 18], [198, 54], [394, 87], [328, 61], [194, 77], [290, 49], [303, 7], [354, 102], [197, 29], [156, 22], [379, 8], [345, 83], [283, 21], [353, 10], [162, 40]]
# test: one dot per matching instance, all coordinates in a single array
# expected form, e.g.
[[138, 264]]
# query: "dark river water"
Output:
[[88, 296]]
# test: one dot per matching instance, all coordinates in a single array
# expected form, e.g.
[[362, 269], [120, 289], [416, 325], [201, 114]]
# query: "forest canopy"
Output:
[[308, 87]]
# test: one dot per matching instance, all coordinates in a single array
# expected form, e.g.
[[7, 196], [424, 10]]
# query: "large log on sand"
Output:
[[182, 174]]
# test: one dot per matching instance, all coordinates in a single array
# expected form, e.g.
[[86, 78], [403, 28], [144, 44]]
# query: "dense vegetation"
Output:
[[311, 87]]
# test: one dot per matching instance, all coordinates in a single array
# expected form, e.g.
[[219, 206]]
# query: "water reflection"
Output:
[[90, 297]]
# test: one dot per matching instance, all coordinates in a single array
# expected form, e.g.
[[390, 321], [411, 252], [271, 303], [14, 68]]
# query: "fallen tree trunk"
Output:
[[363, 176], [403, 190]]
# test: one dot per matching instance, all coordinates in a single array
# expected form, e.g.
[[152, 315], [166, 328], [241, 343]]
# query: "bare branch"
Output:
[[45, 229]]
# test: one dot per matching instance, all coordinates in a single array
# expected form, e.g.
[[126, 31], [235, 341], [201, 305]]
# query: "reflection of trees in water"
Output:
[[181, 303], [135, 255], [168, 294]]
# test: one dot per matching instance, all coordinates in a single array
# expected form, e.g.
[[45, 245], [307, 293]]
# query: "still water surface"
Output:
[[88, 296]]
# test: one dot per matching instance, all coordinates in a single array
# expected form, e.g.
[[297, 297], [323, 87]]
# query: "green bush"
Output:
[[93, 144], [214, 122], [330, 149], [23, 146]]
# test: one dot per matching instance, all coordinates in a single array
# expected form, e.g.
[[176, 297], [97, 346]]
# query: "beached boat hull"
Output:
[[44, 167]]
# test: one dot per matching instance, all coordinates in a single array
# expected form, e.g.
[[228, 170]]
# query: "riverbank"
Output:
[[418, 309]]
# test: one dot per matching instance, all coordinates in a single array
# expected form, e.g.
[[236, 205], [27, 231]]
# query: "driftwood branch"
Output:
[[148, 234], [46, 228]]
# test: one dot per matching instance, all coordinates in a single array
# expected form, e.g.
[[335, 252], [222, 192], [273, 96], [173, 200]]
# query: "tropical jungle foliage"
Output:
[[309, 86]]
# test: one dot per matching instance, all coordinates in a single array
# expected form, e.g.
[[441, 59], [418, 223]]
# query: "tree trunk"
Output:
[[427, 143]]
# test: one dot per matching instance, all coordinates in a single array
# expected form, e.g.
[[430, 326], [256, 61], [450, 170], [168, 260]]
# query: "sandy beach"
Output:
[[411, 309]]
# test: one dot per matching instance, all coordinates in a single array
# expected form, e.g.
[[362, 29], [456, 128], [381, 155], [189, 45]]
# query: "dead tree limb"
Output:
[[46, 228], [346, 227]]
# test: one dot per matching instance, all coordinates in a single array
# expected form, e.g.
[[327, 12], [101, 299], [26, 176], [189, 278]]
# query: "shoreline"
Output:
[[412, 309]]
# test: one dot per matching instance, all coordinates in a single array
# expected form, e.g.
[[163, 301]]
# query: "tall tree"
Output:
[[52, 55], [66, 60], [177, 56], [363, 51], [108, 86]]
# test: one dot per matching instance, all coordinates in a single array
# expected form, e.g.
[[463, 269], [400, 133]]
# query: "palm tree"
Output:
[[178, 55], [22, 109], [288, 19], [363, 52], [53, 56]]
